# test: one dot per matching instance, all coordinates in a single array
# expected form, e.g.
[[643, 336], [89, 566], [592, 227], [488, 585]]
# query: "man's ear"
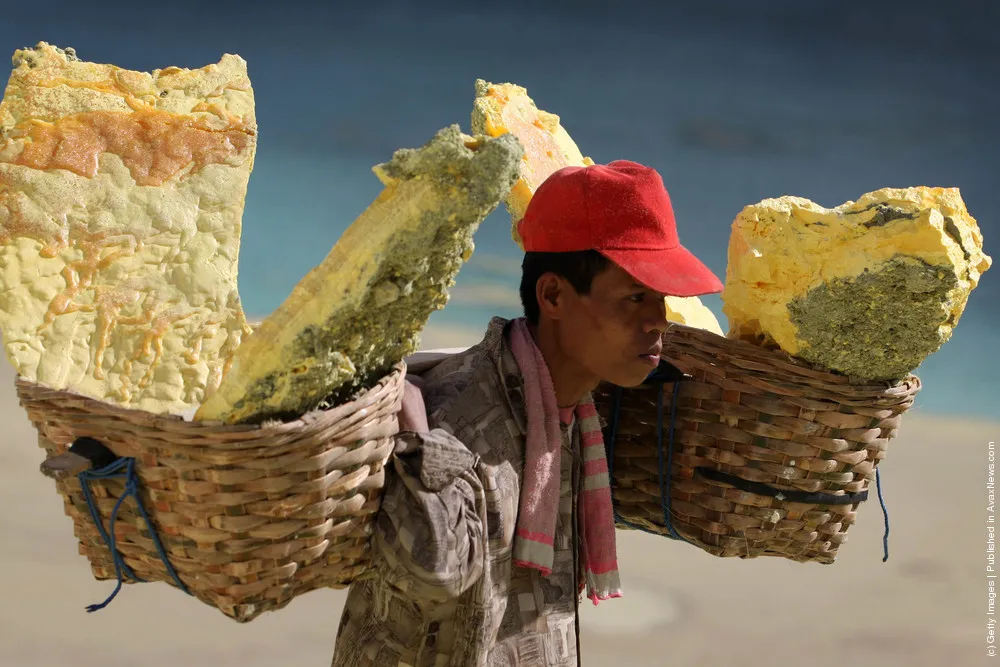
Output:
[[550, 292]]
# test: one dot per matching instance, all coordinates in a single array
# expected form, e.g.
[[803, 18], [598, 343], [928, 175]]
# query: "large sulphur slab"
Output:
[[869, 288], [121, 198], [500, 108], [359, 312]]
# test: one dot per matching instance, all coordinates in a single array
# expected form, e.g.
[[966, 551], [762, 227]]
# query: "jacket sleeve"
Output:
[[431, 526]]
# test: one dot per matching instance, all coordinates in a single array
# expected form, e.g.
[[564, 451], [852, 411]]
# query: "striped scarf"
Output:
[[539, 505]]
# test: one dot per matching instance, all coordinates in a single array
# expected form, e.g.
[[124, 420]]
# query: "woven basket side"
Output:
[[250, 518], [763, 418]]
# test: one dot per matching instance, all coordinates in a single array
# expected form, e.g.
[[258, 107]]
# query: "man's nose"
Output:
[[655, 317]]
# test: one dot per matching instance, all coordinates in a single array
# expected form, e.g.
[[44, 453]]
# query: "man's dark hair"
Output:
[[579, 268]]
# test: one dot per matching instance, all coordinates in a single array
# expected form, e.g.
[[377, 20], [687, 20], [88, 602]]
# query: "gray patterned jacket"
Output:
[[442, 589]]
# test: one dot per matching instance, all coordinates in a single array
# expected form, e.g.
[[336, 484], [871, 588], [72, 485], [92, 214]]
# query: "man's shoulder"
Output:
[[469, 391], [470, 366], [464, 374]]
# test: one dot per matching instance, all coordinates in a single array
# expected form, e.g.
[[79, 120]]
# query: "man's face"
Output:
[[613, 332]]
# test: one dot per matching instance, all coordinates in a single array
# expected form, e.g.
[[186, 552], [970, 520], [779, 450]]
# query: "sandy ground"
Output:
[[926, 606]]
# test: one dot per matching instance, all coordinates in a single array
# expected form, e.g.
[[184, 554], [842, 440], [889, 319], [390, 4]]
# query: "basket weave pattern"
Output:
[[250, 516], [761, 416]]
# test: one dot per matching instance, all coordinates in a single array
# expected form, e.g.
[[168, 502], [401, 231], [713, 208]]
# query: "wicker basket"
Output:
[[247, 517], [770, 456]]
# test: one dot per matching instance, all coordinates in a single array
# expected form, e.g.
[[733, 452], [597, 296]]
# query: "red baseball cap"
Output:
[[623, 211]]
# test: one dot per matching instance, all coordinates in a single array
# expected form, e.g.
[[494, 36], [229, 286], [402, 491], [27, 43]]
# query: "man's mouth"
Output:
[[653, 356]]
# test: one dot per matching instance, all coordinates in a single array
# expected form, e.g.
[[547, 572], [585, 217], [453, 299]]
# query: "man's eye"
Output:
[[637, 298]]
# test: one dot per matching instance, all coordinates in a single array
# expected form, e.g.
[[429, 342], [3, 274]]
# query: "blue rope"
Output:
[[885, 516], [665, 474], [122, 570], [664, 468]]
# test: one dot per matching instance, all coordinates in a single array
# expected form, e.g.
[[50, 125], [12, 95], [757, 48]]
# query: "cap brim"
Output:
[[674, 272]]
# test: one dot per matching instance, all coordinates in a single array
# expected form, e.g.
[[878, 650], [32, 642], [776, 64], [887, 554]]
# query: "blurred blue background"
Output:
[[731, 101]]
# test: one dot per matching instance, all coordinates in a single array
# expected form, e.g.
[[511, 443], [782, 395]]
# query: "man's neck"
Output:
[[570, 380]]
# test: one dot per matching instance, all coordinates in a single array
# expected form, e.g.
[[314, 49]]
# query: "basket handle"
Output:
[[65, 465], [84, 454]]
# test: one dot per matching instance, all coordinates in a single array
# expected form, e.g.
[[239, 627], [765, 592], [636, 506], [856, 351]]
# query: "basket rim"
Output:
[[178, 423], [783, 361]]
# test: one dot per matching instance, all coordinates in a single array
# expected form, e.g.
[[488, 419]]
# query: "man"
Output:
[[497, 511]]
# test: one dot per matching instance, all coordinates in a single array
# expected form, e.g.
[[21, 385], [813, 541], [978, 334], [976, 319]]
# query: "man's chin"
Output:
[[630, 380]]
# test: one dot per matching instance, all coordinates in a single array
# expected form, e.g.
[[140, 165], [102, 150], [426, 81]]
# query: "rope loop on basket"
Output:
[[665, 372], [121, 468], [885, 516]]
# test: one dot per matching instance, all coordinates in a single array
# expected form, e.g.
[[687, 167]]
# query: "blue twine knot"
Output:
[[114, 470], [659, 376]]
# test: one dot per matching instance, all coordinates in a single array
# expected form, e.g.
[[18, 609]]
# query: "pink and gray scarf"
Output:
[[536, 522]]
